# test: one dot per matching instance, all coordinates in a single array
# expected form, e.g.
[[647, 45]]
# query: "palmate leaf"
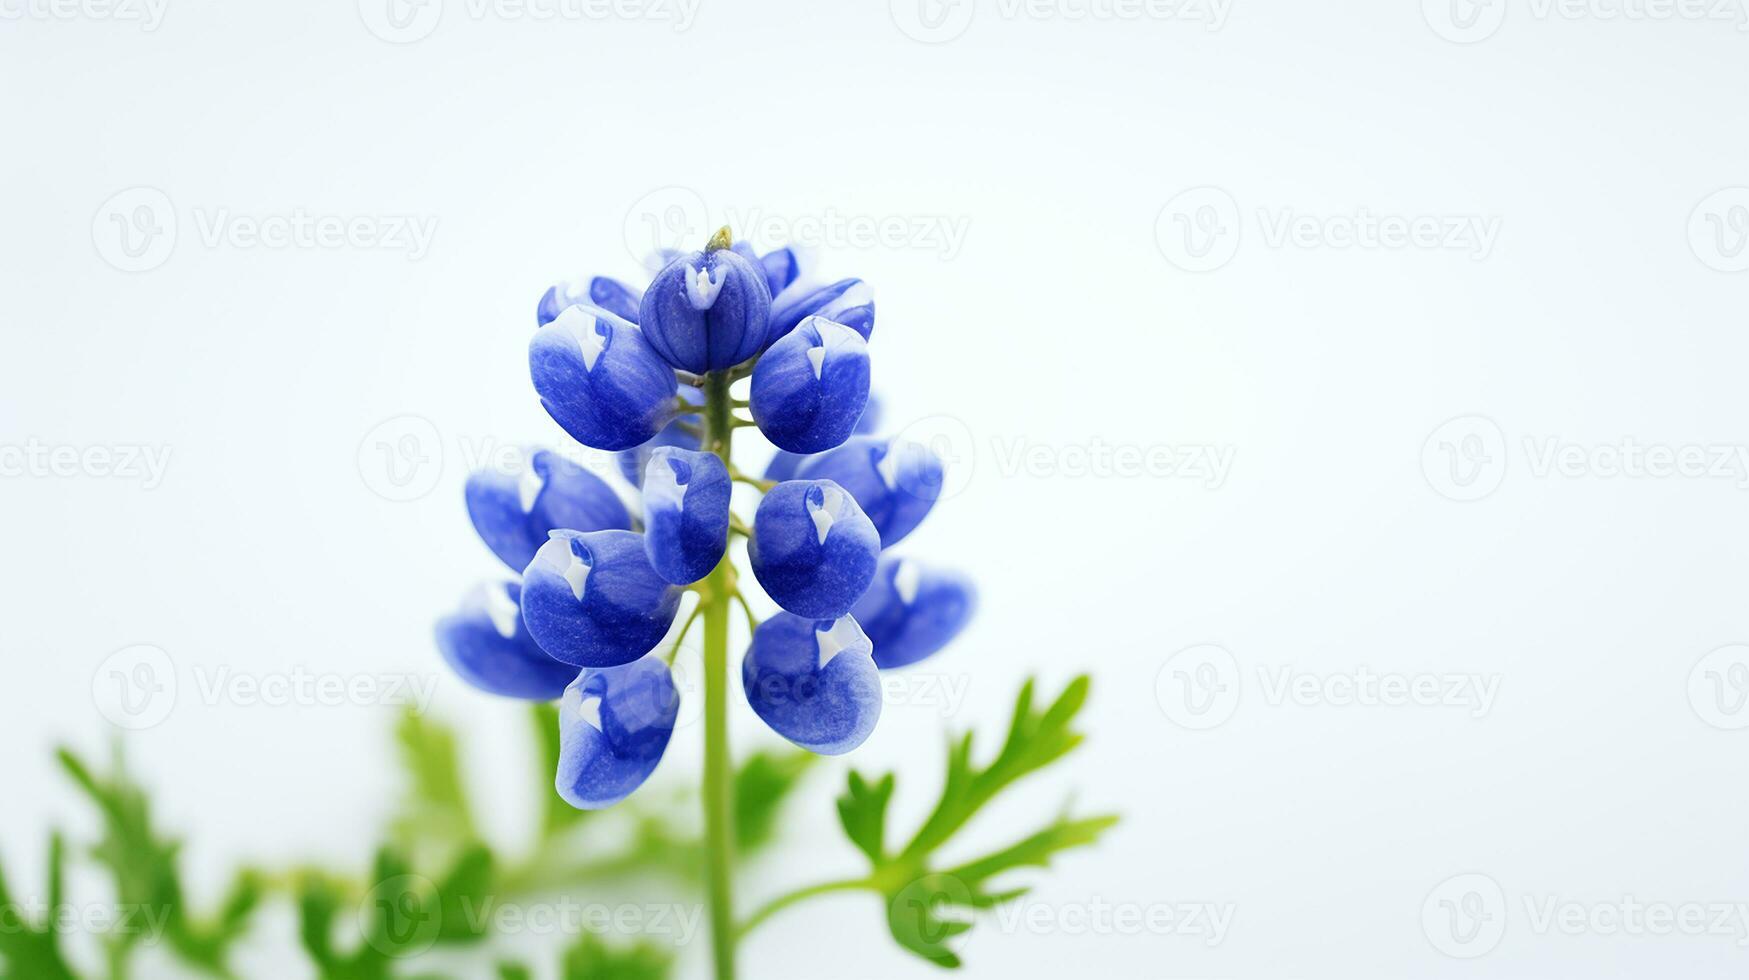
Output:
[[435, 815], [929, 907], [592, 959], [147, 876], [762, 784]]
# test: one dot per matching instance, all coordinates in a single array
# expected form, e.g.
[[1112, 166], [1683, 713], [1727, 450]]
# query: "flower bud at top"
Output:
[[599, 380], [813, 681], [614, 725], [593, 600], [809, 388], [813, 550], [486, 643], [513, 512], [706, 311]]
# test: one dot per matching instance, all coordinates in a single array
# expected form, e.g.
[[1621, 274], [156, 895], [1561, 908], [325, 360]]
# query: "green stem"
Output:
[[719, 803], [782, 902]]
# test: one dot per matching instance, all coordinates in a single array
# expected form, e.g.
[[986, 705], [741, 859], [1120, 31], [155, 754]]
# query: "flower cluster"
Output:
[[646, 375]]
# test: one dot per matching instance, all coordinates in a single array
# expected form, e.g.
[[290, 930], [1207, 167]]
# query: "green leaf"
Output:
[[863, 811], [514, 971], [762, 784], [147, 877], [435, 815], [30, 950], [929, 907], [463, 895], [592, 959]]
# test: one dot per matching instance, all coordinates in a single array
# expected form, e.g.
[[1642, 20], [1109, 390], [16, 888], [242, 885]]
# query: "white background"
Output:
[[1604, 313]]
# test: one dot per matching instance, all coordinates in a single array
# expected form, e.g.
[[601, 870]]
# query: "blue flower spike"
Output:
[[913, 610], [847, 301], [707, 311], [813, 681], [610, 294], [896, 483], [600, 380], [810, 389], [632, 462], [593, 600], [614, 725], [813, 549], [487, 644], [686, 513], [514, 511]]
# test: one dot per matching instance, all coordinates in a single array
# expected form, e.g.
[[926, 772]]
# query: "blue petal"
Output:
[[813, 681], [813, 550], [614, 725], [487, 644], [514, 511], [706, 311], [912, 610], [847, 301], [895, 483], [686, 513], [809, 388], [633, 461], [610, 294], [593, 600], [599, 380], [782, 266], [783, 464]]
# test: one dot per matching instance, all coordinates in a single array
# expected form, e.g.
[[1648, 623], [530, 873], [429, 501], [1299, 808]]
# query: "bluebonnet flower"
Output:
[[486, 643], [809, 388], [609, 294], [686, 513], [896, 483], [847, 301], [913, 610], [813, 681], [682, 433], [813, 550], [621, 370], [514, 511], [783, 464], [707, 311], [614, 725], [599, 380], [592, 599]]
